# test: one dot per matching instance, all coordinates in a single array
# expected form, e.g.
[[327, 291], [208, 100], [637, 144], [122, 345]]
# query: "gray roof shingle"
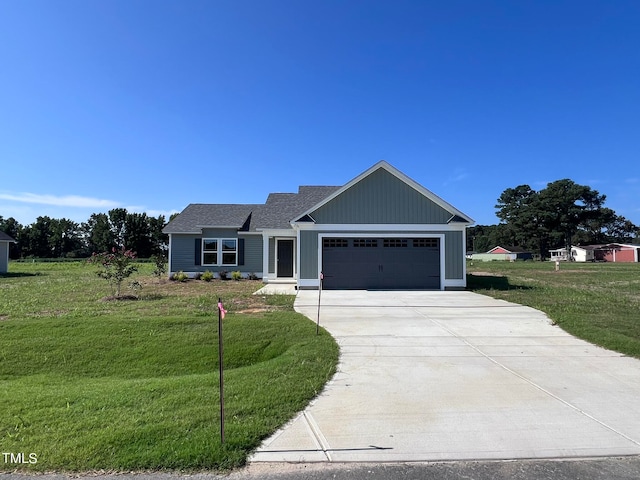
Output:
[[276, 212], [5, 238], [198, 215]]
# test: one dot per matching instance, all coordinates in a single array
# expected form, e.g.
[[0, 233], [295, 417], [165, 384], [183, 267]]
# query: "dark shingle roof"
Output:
[[277, 212], [5, 238], [281, 208], [198, 215]]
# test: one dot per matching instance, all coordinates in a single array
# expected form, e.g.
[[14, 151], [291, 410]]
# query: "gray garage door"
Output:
[[384, 263]]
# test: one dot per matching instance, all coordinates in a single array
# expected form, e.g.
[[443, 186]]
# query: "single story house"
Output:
[[617, 252], [578, 254], [381, 230], [5, 240], [508, 253]]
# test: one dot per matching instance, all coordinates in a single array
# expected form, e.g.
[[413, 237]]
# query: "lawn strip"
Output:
[[89, 385], [597, 302]]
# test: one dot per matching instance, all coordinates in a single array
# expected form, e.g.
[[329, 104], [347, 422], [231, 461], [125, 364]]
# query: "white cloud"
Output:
[[26, 207], [59, 201], [459, 174]]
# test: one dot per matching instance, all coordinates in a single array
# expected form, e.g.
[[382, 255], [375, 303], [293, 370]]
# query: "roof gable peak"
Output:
[[457, 215]]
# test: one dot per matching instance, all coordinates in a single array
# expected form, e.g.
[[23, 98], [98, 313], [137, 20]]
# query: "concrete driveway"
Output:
[[431, 376]]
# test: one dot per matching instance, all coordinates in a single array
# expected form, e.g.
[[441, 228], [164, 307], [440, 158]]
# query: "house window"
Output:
[[229, 251], [210, 251], [219, 251], [394, 242]]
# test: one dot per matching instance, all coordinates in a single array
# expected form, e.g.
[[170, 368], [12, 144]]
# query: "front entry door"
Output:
[[285, 259]]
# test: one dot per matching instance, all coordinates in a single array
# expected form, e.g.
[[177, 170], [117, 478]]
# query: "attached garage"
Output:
[[389, 262]]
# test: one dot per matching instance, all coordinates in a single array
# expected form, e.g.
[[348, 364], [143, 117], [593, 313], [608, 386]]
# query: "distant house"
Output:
[[5, 240], [380, 230], [508, 253], [514, 253], [578, 254], [617, 252]]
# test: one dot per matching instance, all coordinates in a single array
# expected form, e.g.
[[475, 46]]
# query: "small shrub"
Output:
[[180, 276], [136, 286], [252, 276], [197, 275], [236, 276], [223, 274], [207, 276], [160, 261]]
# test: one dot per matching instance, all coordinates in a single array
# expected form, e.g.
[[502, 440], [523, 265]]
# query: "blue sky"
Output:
[[152, 105]]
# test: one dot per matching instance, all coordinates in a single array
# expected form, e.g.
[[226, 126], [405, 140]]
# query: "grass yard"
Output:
[[87, 384], [599, 302]]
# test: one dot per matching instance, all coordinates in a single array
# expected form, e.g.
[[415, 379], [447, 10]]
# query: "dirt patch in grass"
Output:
[[485, 274], [117, 298], [256, 310]]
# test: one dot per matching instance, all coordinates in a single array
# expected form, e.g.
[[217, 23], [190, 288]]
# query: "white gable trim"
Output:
[[401, 176], [385, 227]]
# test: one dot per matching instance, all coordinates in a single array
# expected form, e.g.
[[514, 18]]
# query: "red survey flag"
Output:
[[221, 309]]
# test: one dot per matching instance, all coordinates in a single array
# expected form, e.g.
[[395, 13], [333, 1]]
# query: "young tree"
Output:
[[115, 267]]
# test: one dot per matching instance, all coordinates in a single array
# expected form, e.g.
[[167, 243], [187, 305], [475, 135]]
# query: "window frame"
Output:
[[208, 251], [224, 252], [219, 252]]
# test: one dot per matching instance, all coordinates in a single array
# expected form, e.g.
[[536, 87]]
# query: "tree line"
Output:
[[63, 238], [560, 215]]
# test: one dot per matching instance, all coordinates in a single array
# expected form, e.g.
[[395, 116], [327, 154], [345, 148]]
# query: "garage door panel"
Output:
[[411, 268], [385, 263]]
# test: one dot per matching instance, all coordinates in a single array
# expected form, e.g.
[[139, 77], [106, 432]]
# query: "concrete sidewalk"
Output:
[[430, 376]]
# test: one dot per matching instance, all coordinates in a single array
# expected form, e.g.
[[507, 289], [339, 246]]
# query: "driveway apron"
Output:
[[434, 376]]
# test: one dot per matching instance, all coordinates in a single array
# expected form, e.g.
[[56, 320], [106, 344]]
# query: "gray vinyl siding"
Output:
[[183, 252], [252, 254], [4, 249], [381, 198], [219, 233], [454, 254], [308, 254]]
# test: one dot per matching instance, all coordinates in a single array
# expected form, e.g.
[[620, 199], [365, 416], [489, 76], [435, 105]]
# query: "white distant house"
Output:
[[5, 240], [578, 254]]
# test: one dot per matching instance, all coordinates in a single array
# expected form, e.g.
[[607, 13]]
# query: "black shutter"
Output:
[[198, 259], [241, 251]]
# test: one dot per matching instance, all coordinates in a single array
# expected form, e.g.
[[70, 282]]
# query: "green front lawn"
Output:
[[599, 302], [133, 385]]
